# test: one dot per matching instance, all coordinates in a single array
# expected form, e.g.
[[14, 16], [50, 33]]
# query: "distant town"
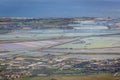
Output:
[[57, 23]]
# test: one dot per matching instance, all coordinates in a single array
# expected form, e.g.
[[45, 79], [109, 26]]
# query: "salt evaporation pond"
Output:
[[92, 42], [26, 48], [47, 34]]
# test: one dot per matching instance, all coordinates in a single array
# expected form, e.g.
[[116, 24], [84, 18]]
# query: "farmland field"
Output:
[[90, 77]]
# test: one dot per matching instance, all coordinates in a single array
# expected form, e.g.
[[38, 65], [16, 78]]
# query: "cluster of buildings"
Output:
[[59, 23], [17, 66], [96, 23]]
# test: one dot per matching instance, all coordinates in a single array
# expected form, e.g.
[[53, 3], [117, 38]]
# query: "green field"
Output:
[[89, 77]]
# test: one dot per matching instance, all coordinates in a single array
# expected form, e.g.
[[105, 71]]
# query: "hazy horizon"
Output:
[[59, 8]]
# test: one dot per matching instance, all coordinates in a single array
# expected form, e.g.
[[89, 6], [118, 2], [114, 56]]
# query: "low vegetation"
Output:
[[89, 77]]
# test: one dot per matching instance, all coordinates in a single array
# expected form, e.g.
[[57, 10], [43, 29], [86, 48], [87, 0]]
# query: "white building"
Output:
[[91, 24]]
